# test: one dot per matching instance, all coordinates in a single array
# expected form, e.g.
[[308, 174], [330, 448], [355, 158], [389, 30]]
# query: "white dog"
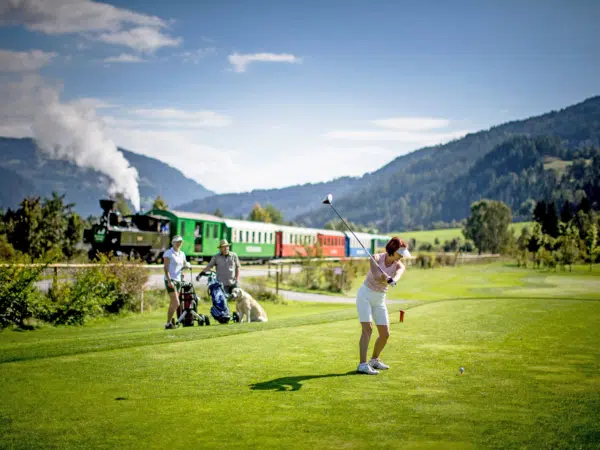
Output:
[[245, 305]]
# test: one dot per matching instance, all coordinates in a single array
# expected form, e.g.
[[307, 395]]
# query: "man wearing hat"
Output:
[[228, 267]]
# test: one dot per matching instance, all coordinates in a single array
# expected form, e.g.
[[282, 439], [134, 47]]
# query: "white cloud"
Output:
[[415, 131], [95, 20], [124, 58], [71, 16], [412, 123], [189, 118], [240, 61], [398, 136], [143, 39], [94, 103], [30, 61]]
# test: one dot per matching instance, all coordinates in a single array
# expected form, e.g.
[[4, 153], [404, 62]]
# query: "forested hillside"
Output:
[[439, 183]]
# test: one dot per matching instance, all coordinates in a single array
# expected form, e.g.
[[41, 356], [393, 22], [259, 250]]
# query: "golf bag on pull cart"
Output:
[[220, 307], [187, 312]]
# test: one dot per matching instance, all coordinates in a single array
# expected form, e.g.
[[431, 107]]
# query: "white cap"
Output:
[[177, 239], [403, 251]]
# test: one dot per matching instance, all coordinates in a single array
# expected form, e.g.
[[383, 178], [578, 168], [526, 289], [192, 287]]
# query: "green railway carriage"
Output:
[[251, 240], [201, 232]]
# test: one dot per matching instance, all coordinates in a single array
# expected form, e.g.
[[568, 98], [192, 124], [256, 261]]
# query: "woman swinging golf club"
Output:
[[385, 269]]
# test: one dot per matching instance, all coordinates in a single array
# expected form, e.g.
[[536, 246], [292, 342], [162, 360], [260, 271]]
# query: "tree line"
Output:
[[558, 237]]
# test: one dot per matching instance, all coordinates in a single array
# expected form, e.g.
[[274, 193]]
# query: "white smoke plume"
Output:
[[73, 132]]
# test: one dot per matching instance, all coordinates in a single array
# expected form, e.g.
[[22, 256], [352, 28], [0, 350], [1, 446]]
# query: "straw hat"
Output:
[[223, 243]]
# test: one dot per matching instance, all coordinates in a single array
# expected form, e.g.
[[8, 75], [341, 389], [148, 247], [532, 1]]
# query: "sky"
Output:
[[243, 95]]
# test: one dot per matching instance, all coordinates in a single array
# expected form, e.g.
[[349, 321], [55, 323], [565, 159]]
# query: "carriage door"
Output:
[[278, 244], [198, 236]]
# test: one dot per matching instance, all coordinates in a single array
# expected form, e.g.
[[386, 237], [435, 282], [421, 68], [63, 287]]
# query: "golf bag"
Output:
[[220, 307], [187, 312]]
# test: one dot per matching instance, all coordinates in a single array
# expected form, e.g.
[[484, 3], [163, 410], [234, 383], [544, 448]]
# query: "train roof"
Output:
[[194, 216], [249, 225]]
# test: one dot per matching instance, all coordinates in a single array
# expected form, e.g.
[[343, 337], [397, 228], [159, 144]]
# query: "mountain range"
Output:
[[514, 162]]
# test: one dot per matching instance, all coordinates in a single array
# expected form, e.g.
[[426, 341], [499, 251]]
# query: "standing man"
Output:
[[228, 267]]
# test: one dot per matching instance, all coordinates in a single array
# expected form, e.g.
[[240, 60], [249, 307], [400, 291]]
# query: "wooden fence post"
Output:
[[277, 281], [142, 303]]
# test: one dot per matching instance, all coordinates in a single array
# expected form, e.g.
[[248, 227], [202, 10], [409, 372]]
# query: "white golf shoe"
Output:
[[367, 369], [376, 364]]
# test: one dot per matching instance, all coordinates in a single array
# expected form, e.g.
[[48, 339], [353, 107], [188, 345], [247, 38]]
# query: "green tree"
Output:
[[569, 246], [591, 243], [550, 225], [276, 216], [42, 228], [160, 203], [566, 213], [259, 214], [488, 226], [121, 205], [536, 242], [523, 246]]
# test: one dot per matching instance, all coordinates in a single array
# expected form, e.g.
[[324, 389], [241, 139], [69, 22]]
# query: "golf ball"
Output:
[[462, 369]]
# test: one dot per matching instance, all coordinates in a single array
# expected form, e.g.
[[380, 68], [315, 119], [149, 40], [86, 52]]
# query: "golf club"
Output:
[[328, 201]]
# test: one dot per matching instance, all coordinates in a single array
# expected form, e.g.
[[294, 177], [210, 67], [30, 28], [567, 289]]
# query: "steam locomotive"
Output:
[[144, 236]]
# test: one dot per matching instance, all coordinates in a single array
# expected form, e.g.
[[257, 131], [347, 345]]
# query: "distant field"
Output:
[[446, 234]]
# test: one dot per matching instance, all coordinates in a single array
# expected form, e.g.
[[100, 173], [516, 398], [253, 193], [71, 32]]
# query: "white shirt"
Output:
[[177, 262]]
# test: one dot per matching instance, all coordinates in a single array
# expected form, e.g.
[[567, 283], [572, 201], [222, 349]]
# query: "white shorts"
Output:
[[371, 304]]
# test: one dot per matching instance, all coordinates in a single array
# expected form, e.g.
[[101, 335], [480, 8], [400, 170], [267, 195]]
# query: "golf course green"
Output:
[[529, 342]]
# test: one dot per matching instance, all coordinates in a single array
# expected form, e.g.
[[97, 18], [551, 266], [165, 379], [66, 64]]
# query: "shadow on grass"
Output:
[[293, 383]]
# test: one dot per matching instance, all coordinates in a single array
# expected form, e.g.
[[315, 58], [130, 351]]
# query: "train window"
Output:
[[215, 231], [183, 228], [241, 236], [247, 236]]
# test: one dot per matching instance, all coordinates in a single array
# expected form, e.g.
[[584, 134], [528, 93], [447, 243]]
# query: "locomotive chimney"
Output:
[[107, 206]]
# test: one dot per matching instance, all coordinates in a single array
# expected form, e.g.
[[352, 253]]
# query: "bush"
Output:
[[262, 293], [18, 295], [7, 252], [444, 259], [424, 261], [89, 295], [108, 287], [320, 275]]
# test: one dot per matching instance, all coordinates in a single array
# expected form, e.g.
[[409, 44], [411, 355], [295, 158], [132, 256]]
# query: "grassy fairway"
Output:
[[532, 374], [447, 234]]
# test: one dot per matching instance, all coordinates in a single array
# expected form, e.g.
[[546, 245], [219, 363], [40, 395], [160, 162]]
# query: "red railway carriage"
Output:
[[293, 242], [333, 243]]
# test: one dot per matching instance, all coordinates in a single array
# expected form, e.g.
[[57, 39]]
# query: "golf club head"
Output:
[[327, 200]]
